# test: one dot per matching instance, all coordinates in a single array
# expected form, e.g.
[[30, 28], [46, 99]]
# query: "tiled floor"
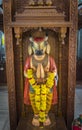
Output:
[[4, 114], [78, 101]]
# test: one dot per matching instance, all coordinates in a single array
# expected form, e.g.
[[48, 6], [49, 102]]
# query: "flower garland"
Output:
[[41, 92]]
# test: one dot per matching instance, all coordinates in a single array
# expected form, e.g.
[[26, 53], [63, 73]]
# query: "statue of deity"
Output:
[[40, 80]]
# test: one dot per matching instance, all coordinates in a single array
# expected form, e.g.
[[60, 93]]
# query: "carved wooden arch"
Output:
[[23, 54], [61, 31]]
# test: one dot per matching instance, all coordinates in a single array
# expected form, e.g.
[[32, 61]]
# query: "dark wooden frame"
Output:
[[10, 59]]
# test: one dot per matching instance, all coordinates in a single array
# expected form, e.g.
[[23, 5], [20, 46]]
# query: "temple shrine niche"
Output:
[[39, 26]]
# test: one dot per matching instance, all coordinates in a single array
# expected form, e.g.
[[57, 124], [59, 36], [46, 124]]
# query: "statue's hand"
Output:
[[40, 71]]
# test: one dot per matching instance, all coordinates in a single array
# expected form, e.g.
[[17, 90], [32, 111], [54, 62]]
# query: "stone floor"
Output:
[[4, 113], [78, 101]]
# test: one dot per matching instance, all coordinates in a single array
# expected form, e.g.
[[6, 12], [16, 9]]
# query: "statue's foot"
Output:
[[47, 121], [35, 120]]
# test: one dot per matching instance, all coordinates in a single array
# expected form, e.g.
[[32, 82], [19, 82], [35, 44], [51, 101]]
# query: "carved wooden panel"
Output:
[[72, 62], [59, 4], [41, 14], [10, 64]]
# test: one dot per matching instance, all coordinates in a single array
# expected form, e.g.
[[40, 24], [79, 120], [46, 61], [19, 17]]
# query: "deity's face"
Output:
[[39, 46]]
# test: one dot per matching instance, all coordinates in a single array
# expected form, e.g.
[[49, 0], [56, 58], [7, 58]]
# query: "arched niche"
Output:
[[53, 41], [21, 53]]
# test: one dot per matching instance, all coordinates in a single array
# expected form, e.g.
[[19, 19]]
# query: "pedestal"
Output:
[[56, 124]]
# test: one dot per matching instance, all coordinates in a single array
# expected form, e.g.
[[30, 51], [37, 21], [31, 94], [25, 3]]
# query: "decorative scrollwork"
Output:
[[61, 31], [62, 34], [18, 34], [40, 3]]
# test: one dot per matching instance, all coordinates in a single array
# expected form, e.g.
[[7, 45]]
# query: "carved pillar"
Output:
[[10, 63], [63, 31], [62, 35], [72, 62], [21, 78], [60, 84], [18, 36]]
